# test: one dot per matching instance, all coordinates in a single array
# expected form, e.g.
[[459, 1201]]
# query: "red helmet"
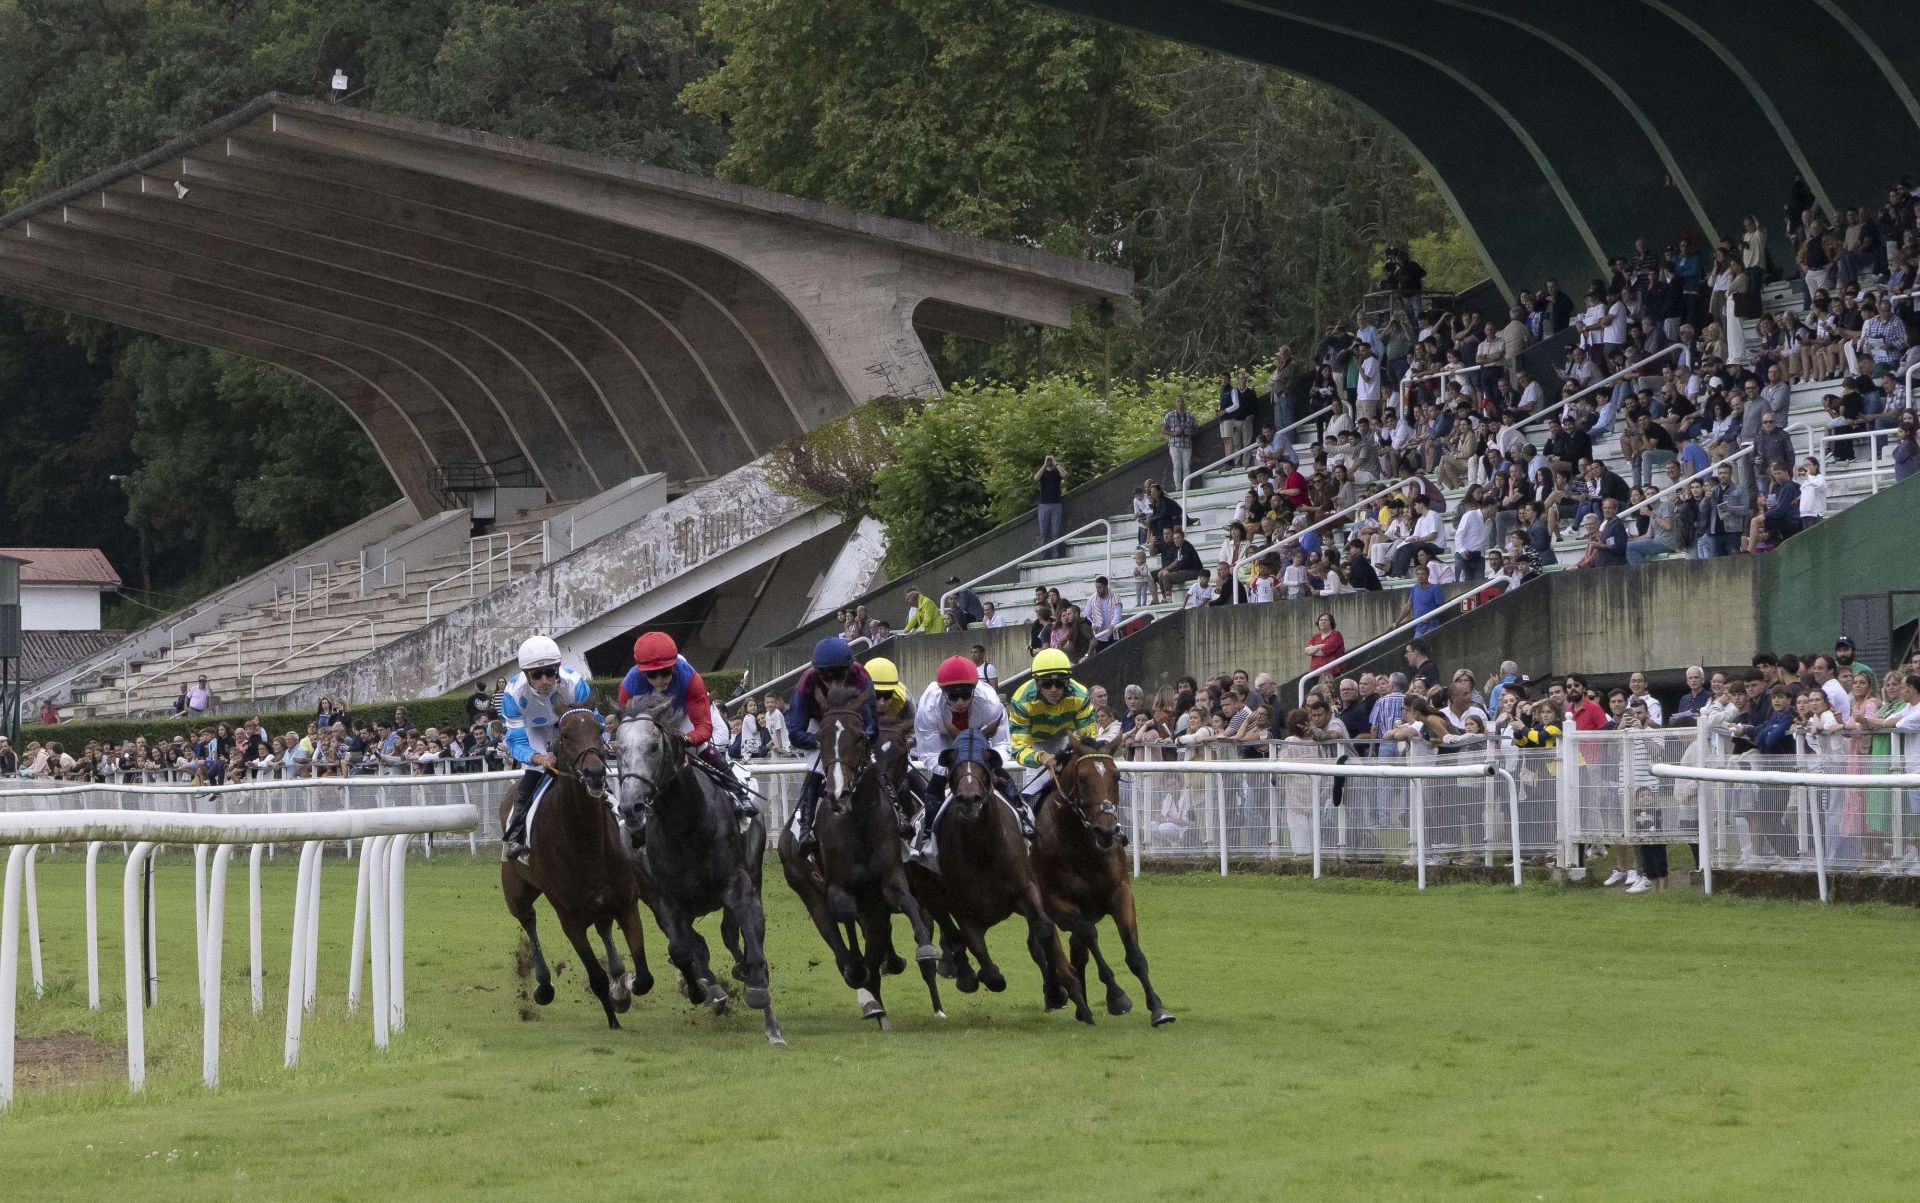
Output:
[[956, 670], [654, 651]]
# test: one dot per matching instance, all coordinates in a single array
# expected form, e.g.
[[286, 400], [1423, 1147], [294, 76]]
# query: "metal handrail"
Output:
[[1347, 657], [1197, 473], [360, 582], [1684, 481], [1662, 353], [1026, 556], [1408, 380], [373, 643], [747, 690], [126, 691], [471, 570], [1873, 452], [1233, 569]]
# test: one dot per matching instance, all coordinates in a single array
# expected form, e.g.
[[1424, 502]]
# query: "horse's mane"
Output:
[[845, 697], [656, 706]]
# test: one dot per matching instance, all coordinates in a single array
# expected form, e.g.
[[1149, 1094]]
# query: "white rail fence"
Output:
[[379, 911]]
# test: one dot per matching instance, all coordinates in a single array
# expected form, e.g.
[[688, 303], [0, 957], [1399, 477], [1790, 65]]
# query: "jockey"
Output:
[[531, 706], [832, 667], [1045, 711], [890, 701], [957, 700], [658, 667]]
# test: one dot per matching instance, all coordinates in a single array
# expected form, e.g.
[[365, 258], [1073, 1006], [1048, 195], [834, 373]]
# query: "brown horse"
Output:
[[985, 876], [579, 861], [860, 881], [1081, 863]]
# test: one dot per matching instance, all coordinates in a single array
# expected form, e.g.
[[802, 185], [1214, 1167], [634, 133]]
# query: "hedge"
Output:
[[442, 712]]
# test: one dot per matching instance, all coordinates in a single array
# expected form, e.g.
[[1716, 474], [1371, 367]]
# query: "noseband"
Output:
[[1073, 805], [859, 720], [572, 770]]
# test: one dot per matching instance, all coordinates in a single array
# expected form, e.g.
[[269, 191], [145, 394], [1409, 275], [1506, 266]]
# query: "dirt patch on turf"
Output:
[[66, 1059]]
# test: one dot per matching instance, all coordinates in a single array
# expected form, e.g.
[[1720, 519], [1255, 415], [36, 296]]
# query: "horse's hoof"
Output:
[[993, 979], [759, 998], [739, 974], [641, 984], [870, 1007], [543, 993], [966, 985], [1084, 1015], [886, 1025], [1119, 1004], [777, 1040], [613, 1025], [945, 967], [927, 952], [854, 974], [939, 1014], [716, 997], [895, 965], [1162, 1017], [623, 1003]]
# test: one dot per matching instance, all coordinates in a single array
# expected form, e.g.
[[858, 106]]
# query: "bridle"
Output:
[[1075, 806], [867, 770], [595, 749]]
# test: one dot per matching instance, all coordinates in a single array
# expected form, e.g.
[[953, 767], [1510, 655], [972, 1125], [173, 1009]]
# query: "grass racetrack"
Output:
[[1336, 1039]]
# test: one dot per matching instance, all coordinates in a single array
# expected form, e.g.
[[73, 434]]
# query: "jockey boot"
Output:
[[923, 835], [809, 802], [1024, 813], [513, 839]]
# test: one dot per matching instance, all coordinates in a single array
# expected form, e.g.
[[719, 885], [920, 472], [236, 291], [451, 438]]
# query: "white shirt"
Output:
[[1837, 699], [1199, 593], [1593, 326], [1368, 387], [933, 728], [1427, 529], [1813, 496], [1616, 324], [1472, 533]]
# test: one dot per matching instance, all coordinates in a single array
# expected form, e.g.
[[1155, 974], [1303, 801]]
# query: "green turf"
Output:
[[1335, 1040]]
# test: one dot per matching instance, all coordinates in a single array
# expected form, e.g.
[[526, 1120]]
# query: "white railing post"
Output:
[[210, 968], [93, 924], [1417, 808], [131, 894], [10, 966]]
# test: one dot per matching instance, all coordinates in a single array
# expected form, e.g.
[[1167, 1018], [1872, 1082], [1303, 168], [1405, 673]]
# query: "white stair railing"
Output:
[[373, 643]]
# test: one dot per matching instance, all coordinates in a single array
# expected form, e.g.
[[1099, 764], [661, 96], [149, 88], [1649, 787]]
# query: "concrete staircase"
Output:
[[330, 618]]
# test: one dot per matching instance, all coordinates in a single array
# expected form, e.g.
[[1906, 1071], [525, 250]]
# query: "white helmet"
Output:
[[539, 652]]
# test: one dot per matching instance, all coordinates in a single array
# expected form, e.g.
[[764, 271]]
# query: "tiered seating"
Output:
[[1211, 502], [253, 640]]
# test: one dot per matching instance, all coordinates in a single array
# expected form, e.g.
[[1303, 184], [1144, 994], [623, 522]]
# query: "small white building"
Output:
[[60, 587]]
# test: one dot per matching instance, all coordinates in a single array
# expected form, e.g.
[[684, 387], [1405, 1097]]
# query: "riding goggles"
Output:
[[958, 693], [542, 674]]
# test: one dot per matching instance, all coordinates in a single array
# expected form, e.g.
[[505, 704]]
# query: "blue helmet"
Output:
[[832, 652]]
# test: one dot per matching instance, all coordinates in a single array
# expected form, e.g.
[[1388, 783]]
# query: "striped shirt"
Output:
[[1035, 725], [1386, 715]]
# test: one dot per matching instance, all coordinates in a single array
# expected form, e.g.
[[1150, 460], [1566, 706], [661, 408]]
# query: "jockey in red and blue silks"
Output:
[[833, 667], [658, 667]]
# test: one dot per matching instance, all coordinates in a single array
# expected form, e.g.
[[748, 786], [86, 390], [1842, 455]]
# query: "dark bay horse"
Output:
[[695, 856], [1081, 863], [579, 861], [985, 875], [860, 880]]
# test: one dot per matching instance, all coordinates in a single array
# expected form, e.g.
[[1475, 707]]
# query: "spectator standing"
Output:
[[1178, 427], [479, 705], [1104, 613], [1048, 508], [923, 617], [199, 698], [1238, 404], [1326, 645]]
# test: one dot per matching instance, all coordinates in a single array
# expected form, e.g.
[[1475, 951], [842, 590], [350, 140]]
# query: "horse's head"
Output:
[[890, 759], [971, 764], [1087, 783], [651, 749], [846, 755], [579, 748]]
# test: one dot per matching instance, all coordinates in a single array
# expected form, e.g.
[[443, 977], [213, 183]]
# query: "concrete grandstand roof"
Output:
[[472, 298], [63, 566], [1560, 131]]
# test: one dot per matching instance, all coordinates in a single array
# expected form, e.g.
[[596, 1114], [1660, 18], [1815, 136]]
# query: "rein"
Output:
[[1073, 805], [572, 771]]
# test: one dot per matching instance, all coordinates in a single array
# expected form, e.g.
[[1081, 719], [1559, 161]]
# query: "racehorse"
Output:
[[695, 856], [985, 875], [1081, 863], [578, 859], [860, 881]]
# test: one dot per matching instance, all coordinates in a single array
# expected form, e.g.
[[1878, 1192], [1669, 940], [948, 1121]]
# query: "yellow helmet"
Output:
[[1051, 662], [886, 677]]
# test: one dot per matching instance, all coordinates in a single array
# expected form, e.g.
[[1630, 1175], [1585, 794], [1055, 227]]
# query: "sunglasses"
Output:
[[658, 672], [1051, 683], [542, 674]]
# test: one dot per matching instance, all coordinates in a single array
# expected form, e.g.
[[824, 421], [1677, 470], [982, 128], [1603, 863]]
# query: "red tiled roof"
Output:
[[63, 566]]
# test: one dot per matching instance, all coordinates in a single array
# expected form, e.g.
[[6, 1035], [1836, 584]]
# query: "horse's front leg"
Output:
[[616, 968], [576, 929], [640, 981], [1128, 924], [687, 950], [899, 896], [1043, 941]]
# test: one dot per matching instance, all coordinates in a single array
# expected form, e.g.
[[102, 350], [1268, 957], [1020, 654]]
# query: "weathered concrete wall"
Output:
[[677, 552]]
